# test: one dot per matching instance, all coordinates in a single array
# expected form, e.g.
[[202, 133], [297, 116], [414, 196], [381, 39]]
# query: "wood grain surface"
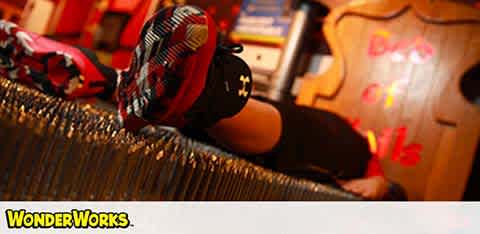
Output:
[[417, 109]]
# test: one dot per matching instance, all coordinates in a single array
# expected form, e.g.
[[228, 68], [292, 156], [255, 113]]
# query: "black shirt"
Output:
[[314, 144]]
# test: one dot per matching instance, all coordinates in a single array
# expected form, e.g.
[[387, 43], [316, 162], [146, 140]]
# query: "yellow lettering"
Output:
[[93, 220], [80, 218], [28, 220], [49, 220], [15, 218], [123, 220], [75, 218], [103, 220], [58, 220], [67, 220], [38, 220], [112, 217]]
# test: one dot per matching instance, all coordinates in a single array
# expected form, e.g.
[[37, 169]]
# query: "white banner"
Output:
[[240, 218]]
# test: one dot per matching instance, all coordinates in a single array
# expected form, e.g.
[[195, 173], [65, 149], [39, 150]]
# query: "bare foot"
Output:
[[373, 188]]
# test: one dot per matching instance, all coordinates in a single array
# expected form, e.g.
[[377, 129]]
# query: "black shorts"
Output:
[[314, 144]]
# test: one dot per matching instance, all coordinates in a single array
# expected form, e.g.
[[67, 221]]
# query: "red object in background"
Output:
[[378, 45], [374, 168], [384, 142], [74, 15], [223, 24], [406, 156], [17, 3], [83, 17], [416, 51], [121, 58], [136, 10], [355, 123], [372, 93], [224, 12], [129, 36], [124, 5], [92, 23], [212, 10], [411, 155], [236, 9], [422, 52]]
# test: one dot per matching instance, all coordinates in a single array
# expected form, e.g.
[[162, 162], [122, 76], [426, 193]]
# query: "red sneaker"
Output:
[[179, 76], [50, 66]]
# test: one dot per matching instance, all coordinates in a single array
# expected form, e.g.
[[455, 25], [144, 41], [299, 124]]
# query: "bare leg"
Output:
[[255, 129]]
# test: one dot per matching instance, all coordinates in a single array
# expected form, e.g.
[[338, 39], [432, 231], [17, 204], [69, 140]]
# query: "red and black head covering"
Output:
[[179, 75]]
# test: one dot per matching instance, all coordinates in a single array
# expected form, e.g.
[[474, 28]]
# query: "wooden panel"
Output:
[[407, 102]]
